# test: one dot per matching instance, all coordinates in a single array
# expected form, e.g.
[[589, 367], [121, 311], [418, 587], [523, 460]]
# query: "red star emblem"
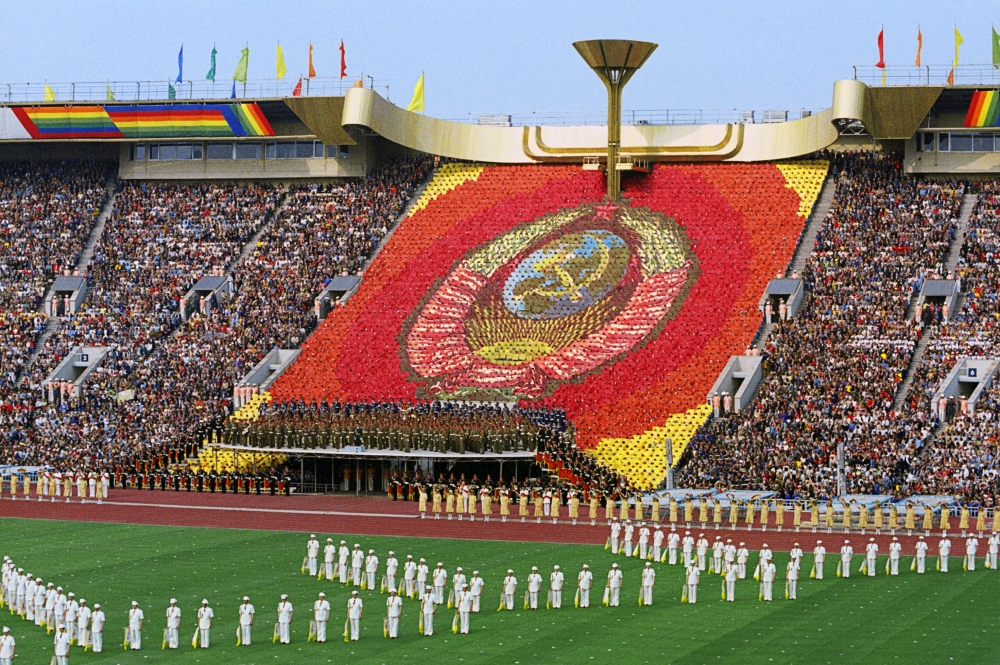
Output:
[[605, 211]]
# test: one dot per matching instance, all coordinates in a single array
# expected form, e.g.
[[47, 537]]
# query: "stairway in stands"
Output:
[[950, 262], [86, 256], [806, 244]]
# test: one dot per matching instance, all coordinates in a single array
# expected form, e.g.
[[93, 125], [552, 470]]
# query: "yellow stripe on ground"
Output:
[[806, 178], [643, 458], [445, 179]]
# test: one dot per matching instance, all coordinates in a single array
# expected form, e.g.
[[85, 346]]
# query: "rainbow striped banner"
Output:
[[143, 121], [984, 111]]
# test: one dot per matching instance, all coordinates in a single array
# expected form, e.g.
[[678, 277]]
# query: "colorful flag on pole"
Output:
[[109, 94], [312, 70], [297, 90], [241, 67], [343, 60], [232, 95], [50, 94], [920, 45], [280, 65], [417, 103], [210, 76], [954, 66], [180, 64], [881, 49], [171, 92], [996, 49]]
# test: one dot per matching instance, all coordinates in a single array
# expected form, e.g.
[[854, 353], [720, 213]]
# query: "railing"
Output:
[[928, 75], [97, 91], [637, 117]]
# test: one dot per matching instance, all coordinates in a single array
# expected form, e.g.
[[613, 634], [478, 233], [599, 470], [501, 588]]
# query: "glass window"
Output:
[[982, 143], [345, 151], [140, 152], [270, 151], [197, 151], [249, 150], [332, 151], [219, 150], [928, 142], [154, 151], [303, 149], [996, 143], [943, 142], [961, 142], [317, 148]]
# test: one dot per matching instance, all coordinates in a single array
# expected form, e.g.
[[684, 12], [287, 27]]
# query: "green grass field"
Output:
[[932, 618]]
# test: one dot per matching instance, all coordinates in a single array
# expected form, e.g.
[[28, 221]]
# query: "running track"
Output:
[[378, 516]]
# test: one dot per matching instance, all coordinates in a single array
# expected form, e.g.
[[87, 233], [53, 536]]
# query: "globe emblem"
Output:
[[567, 275]]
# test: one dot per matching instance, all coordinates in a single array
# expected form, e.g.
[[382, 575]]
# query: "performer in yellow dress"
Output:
[[829, 514], [963, 519], [422, 504], [703, 511], [928, 518], [654, 514], [436, 502], [750, 514], [765, 514], [734, 511], [717, 512], [574, 506], [911, 517], [504, 504], [595, 507], [797, 515], [522, 503], [673, 510], [449, 502], [981, 519], [609, 508], [893, 517], [862, 517], [945, 522], [486, 501], [779, 513], [879, 517]]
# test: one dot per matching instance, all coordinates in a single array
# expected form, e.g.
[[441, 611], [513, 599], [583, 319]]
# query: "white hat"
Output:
[[284, 596], [312, 536], [58, 588], [440, 564], [97, 606], [5, 628], [391, 552], [459, 569], [464, 586], [614, 565], [135, 603], [556, 567], [354, 593], [510, 571], [534, 567], [648, 564], [423, 560], [394, 591], [329, 540], [371, 551], [72, 594], [343, 542], [322, 595], [409, 556], [204, 601], [247, 598], [475, 572]]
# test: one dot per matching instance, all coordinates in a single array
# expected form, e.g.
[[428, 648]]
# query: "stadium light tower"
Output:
[[614, 61]]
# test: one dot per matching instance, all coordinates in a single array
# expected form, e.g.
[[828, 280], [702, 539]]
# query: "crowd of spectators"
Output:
[[831, 373], [167, 374]]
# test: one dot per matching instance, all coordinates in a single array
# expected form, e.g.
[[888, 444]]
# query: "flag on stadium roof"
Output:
[[280, 63], [297, 90], [417, 103], [241, 67], [343, 60], [312, 70], [996, 48], [210, 76], [50, 94], [180, 64]]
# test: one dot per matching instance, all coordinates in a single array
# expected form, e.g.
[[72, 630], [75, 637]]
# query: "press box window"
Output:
[[175, 151], [139, 152], [927, 142], [249, 150], [219, 151]]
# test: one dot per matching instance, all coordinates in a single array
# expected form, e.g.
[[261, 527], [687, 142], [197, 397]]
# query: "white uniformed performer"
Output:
[[457, 580], [730, 574], [312, 552], [343, 557], [285, 611], [83, 624], [687, 548], [702, 552], [59, 607], [644, 535], [691, 578], [30, 587], [846, 553], [246, 612], [673, 540], [329, 554], [394, 609], [768, 571], [627, 541], [614, 585], [993, 546], [391, 566], [440, 579], [97, 621], [509, 589], [72, 609], [584, 582], [7, 647], [135, 617], [971, 544], [534, 586], [476, 585], [428, 606], [423, 574], [205, 616], [409, 575], [355, 608], [819, 558], [921, 561], [728, 555], [944, 549], [895, 550], [357, 562], [648, 582], [616, 531], [796, 555], [321, 616], [871, 555], [463, 601], [40, 594], [62, 645], [792, 577], [718, 548], [50, 605], [173, 624], [742, 556], [371, 568], [658, 543], [556, 579]]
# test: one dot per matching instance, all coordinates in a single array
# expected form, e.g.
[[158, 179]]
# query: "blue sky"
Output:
[[507, 56]]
